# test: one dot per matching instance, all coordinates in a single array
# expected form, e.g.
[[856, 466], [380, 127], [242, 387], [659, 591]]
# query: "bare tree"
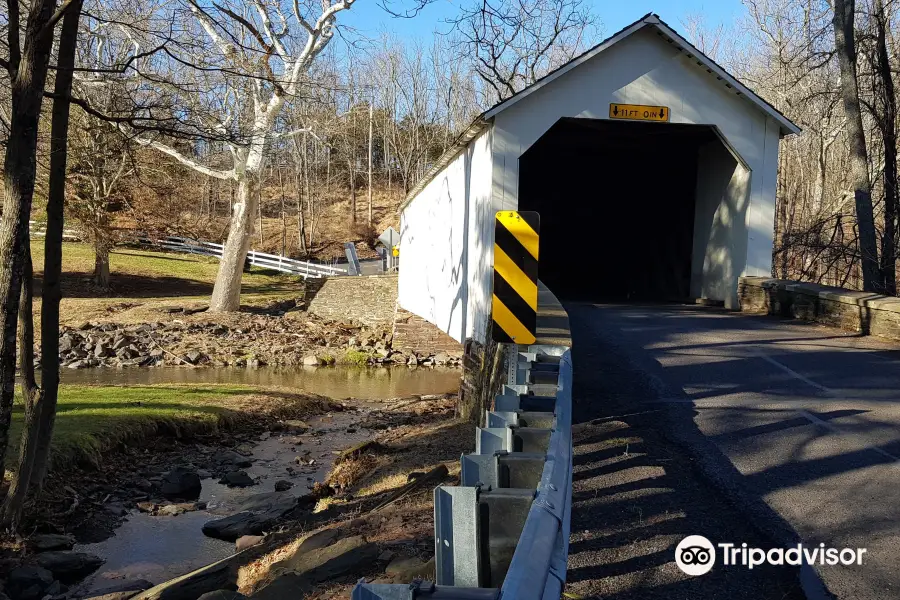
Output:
[[260, 54], [514, 43]]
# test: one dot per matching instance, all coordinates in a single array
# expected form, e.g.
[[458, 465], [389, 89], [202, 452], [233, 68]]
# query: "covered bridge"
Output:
[[672, 199]]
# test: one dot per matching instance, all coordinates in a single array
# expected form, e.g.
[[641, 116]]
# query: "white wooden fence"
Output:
[[39, 229], [276, 262]]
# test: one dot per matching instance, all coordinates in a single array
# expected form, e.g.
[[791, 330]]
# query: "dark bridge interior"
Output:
[[617, 207]]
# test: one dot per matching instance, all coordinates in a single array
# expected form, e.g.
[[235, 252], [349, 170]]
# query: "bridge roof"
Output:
[[651, 20], [671, 36]]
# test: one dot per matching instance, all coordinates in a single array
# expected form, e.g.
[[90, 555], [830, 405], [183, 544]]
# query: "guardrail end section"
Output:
[[457, 559]]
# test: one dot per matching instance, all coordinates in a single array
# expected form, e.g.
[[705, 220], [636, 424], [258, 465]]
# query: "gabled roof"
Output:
[[649, 20], [671, 36]]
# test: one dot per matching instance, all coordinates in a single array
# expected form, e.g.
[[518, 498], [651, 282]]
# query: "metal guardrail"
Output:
[[504, 531], [275, 262]]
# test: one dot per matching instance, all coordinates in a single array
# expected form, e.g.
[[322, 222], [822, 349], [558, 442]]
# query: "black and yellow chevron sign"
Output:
[[515, 277]]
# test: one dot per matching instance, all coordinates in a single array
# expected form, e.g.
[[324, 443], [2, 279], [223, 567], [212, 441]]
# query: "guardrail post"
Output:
[[507, 525]]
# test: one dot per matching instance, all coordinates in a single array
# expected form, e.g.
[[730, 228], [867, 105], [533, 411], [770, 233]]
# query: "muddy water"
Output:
[[160, 548], [335, 382]]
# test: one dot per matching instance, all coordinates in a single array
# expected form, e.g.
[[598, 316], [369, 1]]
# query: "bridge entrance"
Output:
[[634, 211]]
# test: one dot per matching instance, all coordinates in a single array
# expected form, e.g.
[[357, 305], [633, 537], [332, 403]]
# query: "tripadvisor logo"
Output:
[[696, 555]]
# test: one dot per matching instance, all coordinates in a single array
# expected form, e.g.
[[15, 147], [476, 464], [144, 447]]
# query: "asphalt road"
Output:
[[797, 425]]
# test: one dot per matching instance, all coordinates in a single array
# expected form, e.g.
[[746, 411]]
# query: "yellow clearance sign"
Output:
[[639, 112], [515, 277]]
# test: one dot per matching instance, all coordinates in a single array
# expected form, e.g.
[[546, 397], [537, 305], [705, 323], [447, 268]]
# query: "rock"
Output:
[[147, 507], [257, 514], [120, 342], [230, 457], [283, 485], [43, 542], [237, 479], [55, 589], [412, 360], [143, 485], [28, 582], [78, 364], [247, 541], [303, 571], [386, 555], [66, 343], [441, 358], [170, 510], [156, 352], [216, 576], [295, 426], [121, 591], [311, 361], [68, 566], [181, 483], [194, 357], [101, 350], [404, 570], [116, 509], [222, 595]]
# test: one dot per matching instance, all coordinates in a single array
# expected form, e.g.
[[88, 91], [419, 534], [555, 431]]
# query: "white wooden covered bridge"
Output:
[[652, 206]]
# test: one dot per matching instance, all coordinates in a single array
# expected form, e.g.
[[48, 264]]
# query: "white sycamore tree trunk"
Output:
[[266, 90]]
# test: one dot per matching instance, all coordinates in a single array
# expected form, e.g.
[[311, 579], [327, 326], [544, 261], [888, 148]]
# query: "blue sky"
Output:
[[369, 19]]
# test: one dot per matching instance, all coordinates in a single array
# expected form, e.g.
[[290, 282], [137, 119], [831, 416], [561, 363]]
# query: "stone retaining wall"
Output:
[[369, 300], [415, 334], [864, 312]]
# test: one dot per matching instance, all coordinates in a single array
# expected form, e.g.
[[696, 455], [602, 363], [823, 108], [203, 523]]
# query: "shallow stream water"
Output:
[[158, 548], [335, 382]]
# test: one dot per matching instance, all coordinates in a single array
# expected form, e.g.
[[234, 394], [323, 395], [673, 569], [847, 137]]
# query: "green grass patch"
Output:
[[79, 258], [92, 420], [356, 357]]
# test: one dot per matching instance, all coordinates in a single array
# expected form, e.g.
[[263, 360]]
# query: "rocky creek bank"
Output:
[[252, 489], [188, 336]]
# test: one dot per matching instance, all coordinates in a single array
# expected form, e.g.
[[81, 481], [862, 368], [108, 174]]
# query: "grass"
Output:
[[92, 420], [142, 281], [356, 357]]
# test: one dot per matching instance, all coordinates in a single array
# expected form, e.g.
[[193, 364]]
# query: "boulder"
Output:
[[257, 514], [301, 573], [311, 360], [283, 485], [43, 542], [181, 483], [230, 457], [237, 479], [28, 582], [68, 566]]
